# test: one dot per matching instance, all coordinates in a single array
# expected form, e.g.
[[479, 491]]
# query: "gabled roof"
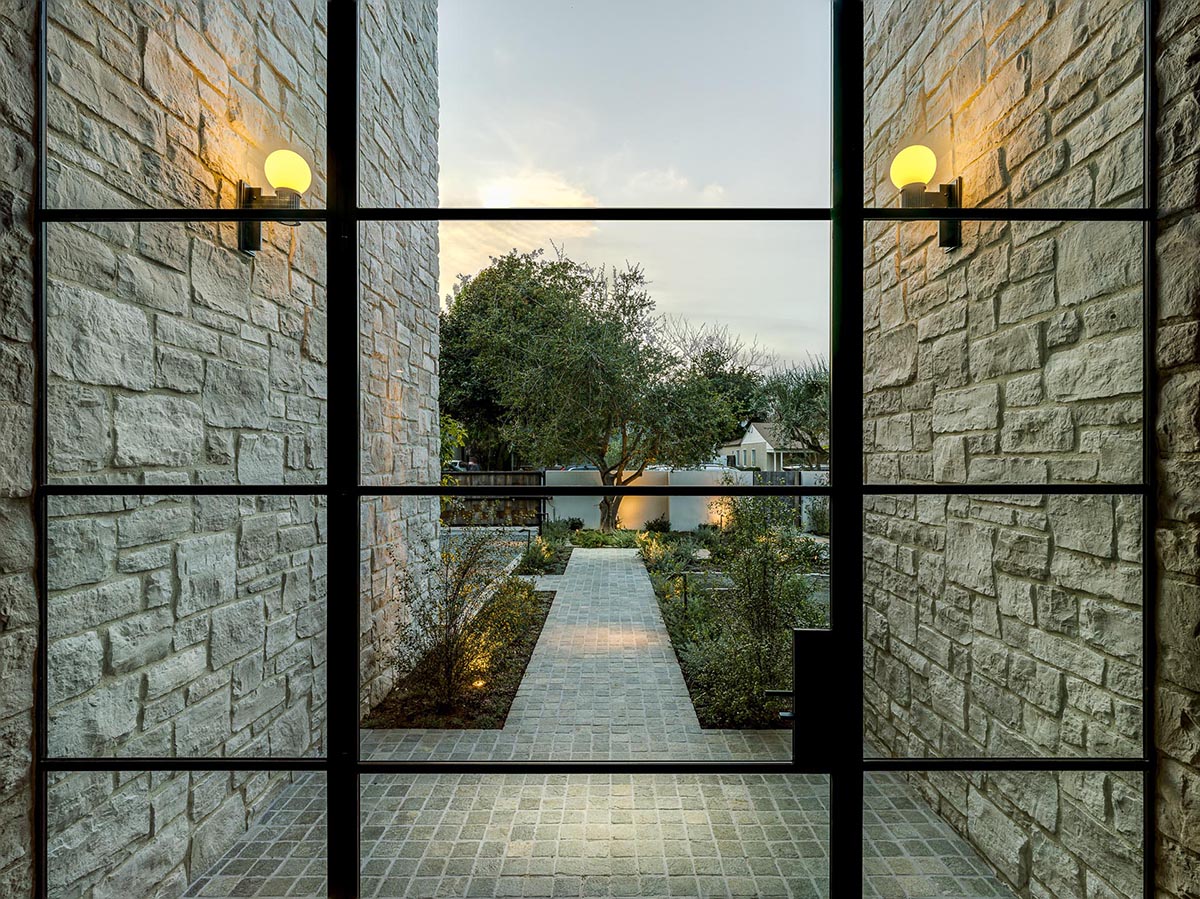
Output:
[[775, 436]]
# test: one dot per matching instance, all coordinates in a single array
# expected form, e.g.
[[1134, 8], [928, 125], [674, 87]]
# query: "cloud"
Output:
[[667, 187], [527, 188]]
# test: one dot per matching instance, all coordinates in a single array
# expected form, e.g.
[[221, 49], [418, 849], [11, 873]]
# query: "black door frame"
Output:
[[841, 721]]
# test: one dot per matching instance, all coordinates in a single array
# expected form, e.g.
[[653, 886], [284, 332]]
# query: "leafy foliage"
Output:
[[615, 539], [797, 397], [462, 613], [566, 362], [661, 524], [733, 637]]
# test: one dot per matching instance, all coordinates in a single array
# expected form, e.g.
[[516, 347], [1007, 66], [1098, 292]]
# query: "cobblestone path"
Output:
[[603, 683]]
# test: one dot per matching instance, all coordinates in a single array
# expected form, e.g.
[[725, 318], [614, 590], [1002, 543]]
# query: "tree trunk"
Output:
[[609, 508]]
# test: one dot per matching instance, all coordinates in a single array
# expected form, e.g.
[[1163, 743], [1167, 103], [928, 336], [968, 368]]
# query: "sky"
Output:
[[648, 103]]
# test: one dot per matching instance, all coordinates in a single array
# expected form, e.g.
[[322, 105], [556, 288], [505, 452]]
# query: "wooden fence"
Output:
[[495, 511]]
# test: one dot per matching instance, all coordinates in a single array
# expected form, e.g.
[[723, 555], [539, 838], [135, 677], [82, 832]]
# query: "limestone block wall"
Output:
[[173, 357], [1009, 625], [178, 626], [398, 316], [1178, 428], [1012, 626], [18, 594]]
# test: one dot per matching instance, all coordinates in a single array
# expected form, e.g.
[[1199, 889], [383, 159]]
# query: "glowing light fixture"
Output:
[[912, 170], [912, 165], [289, 174], [479, 683]]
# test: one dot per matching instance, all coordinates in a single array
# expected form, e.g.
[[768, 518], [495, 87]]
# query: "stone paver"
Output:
[[603, 683], [603, 835]]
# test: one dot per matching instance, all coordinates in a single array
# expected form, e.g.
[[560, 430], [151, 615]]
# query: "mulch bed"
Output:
[[486, 708]]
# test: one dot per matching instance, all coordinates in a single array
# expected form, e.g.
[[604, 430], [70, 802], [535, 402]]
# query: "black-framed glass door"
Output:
[[838, 719]]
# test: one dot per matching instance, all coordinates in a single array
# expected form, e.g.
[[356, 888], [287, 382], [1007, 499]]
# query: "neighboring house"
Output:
[[765, 446]]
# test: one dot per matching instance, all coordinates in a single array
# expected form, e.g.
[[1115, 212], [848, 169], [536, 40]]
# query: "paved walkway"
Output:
[[603, 683]]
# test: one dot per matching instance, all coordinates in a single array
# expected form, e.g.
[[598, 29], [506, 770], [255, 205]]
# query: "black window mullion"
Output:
[[341, 99], [846, 509]]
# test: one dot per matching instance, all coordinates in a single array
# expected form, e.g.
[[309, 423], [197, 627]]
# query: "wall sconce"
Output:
[[290, 175], [912, 170]]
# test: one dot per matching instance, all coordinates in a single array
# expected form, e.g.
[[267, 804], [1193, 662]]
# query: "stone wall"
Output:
[[179, 626], [1016, 358], [1178, 737], [173, 357], [18, 596], [1012, 626], [1008, 625], [398, 316]]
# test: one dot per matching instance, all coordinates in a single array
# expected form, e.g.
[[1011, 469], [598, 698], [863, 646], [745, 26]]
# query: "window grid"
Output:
[[840, 756]]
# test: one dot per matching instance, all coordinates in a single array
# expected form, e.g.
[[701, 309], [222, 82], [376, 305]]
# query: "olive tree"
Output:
[[569, 362]]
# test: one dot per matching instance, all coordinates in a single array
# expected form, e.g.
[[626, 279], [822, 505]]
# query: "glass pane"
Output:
[[691, 106], [1003, 625], [1015, 359], [600, 835], [172, 104], [522, 628], [187, 626], [1002, 834], [1032, 104], [176, 358], [140, 835], [577, 343]]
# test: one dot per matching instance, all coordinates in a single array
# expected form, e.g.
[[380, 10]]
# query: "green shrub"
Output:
[[729, 679], [575, 524], [734, 638], [556, 532], [592, 539], [818, 516], [461, 613], [666, 554], [660, 525], [536, 558]]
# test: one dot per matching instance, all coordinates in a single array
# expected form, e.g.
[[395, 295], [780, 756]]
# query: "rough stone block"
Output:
[[207, 572], [81, 551], [237, 629], [1085, 523], [96, 722], [1097, 259], [260, 459], [134, 643], [1037, 431], [153, 524], [892, 358], [235, 397], [259, 539], [969, 548], [1006, 352], [76, 664], [96, 340], [157, 430], [1002, 843], [79, 436], [203, 726], [971, 409]]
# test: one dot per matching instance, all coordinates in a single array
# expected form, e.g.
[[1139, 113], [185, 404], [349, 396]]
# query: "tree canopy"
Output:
[[568, 363]]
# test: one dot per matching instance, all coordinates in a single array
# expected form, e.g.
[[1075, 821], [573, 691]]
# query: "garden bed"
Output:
[[486, 707], [729, 601], [554, 561]]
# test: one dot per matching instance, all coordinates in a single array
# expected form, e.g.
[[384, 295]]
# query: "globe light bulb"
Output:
[[913, 165], [287, 171]]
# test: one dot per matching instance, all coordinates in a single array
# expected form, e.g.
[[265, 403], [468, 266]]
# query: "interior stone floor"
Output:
[[603, 683]]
